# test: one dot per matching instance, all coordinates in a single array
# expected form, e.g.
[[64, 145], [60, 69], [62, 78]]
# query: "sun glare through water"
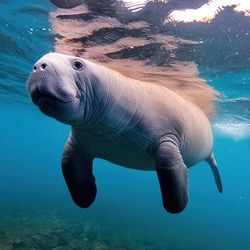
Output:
[[208, 11]]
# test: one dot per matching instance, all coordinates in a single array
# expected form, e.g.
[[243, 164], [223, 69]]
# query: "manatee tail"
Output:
[[213, 165], [65, 4]]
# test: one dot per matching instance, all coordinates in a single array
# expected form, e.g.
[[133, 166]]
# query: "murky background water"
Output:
[[36, 211]]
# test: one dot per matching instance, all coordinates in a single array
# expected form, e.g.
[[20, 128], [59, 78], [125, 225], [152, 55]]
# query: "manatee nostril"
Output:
[[34, 67], [44, 65]]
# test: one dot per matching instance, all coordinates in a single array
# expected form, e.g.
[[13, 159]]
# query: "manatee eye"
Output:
[[78, 65]]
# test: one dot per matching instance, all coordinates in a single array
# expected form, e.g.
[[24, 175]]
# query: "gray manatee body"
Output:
[[128, 122]]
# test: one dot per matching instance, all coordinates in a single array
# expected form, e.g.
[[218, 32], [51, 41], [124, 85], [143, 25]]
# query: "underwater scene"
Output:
[[182, 41]]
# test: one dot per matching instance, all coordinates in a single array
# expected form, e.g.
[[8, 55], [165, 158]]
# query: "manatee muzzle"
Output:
[[44, 82]]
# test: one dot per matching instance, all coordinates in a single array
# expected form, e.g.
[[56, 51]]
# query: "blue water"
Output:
[[36, 210]]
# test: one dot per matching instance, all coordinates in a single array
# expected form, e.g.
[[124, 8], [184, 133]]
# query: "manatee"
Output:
[[128, 122]]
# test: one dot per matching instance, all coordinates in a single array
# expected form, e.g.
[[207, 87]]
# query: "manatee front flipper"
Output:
[[173, 176], [66, 4], [77, 171]]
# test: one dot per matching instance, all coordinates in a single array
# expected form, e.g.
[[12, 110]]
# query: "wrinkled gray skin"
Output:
[[130, 123]]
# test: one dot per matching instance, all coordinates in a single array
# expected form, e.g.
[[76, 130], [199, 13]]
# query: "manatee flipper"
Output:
[[66, 4], [173, 177], [77, 172], [214, 167]]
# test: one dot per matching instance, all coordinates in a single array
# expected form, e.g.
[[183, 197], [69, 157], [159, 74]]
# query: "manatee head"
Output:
[[56, 86]]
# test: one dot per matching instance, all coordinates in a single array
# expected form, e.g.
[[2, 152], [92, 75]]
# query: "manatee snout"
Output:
[[44, 82], [53, 91]]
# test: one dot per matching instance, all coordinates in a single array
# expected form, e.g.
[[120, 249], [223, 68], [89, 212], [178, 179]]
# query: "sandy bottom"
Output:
[[52, 230]]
